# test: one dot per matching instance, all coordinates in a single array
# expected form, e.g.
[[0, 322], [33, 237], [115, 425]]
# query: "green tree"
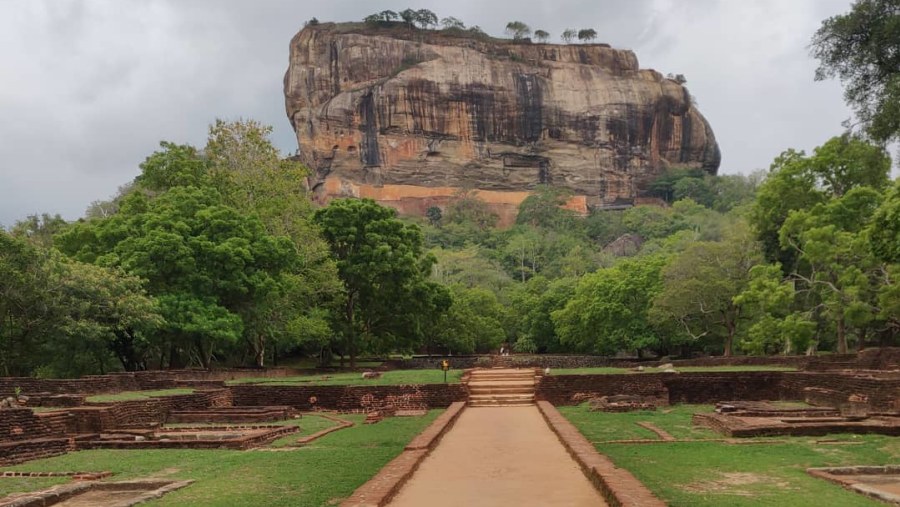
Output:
[[203, 260], [469, 267], [700, 190], [473, 323], [451, 23], [60, 317], [106, 310], [425, 18], [434, 216], [39, 229], [541, 35], [568, 35], [862, 49], [409, 16], [700, 286], [176, 165], [26, 313], [544, 208], [830, 240], [251, 175], [534, 303], [609, 311], [587, 34], [383, 268], [769, 300], [885, 232], [518, 30], [799, 182]]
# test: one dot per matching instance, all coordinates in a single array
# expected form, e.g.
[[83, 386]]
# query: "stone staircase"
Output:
[[501, 387]]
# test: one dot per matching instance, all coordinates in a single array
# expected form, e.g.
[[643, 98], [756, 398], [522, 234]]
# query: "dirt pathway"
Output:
[[499, 457]]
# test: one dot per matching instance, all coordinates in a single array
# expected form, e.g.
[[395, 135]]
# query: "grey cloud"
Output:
[[91, 87]]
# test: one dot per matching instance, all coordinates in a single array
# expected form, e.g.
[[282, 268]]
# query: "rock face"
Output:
[[409, 117]]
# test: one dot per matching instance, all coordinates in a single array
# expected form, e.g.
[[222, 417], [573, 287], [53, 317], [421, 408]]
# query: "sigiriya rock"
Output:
[[409, 117]]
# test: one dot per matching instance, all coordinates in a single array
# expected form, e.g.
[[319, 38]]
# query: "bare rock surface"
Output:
[[408, 117]]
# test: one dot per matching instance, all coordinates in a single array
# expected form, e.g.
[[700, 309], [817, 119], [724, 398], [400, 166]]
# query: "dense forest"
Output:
[[217, 255]]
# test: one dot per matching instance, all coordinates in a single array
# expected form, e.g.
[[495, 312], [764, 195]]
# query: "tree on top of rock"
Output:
[[424, 18], [541, 35], [518, 30], [451, 23], [569, 35], [587, 34]]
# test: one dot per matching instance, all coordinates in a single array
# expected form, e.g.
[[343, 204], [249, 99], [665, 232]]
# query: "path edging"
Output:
[[379, 490], [617, 485]]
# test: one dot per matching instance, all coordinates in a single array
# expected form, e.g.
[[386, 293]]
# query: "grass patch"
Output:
[[136, 395], [310, 424], [602, 426], [394, 377], [713, 474], [608, 370], [321, 473], [10, 485]]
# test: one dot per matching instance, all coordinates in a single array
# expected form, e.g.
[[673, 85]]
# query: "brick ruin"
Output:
[[863, 385]]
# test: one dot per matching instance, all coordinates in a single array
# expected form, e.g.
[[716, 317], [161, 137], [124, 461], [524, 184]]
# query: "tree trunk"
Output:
[[862, 340], [729, 340], [351, 332], [841, 336], [260, 350]]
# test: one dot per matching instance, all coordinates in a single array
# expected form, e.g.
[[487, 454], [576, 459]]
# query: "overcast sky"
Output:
[[89, 88]]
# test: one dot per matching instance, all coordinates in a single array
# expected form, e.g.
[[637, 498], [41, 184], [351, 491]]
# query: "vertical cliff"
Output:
[[408, 117]]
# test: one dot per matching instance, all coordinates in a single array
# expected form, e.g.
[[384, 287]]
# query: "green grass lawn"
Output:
[[136, 395], [308, 424], [714, 474], [394, 377], [320, 473], [9, 485], [652, 369]]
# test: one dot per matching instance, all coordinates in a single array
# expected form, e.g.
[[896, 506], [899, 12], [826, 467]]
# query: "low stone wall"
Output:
[[879, 394], [554, 361], [12, 453], [22, 424], [573, 389], [137, 381], [350, 398], [713, 387], [96, 417]]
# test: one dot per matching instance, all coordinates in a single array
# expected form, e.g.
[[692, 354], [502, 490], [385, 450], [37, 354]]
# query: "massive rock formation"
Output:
[[409, 117]]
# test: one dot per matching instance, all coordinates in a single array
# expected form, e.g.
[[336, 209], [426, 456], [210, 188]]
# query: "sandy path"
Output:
[[499, 456]]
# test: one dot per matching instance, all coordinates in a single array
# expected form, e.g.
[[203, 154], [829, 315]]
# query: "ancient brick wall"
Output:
[[19, 451], [713, 387], [22, 424], [553, 361], [676, 387], [350, 398], [573, 389], [136, 381], [880, 393]]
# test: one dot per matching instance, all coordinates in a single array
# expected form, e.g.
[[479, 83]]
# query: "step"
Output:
[[502, 382], [501, 390], [504, 375], [500, 403], [501, 397]]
